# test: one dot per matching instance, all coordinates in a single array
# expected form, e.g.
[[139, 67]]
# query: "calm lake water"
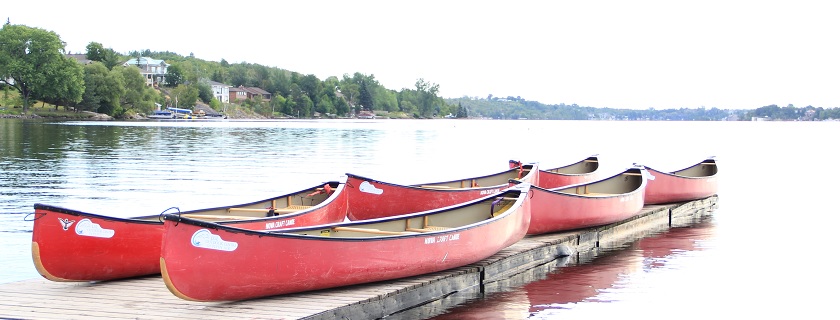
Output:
[[767, 250]]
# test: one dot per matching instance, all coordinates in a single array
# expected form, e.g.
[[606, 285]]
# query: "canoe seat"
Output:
[[427, 229], [217, 217]]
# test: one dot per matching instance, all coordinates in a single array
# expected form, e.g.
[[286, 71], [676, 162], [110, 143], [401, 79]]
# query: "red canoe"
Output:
[[203, 261], [578, 172], [70, 245], [589, 204], [370, 199], [695, 182]]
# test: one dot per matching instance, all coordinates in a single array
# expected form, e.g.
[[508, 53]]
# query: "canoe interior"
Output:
[[485, 181], [622, 183], [416, 224], [283, 205], [706, 168], [588, 165]]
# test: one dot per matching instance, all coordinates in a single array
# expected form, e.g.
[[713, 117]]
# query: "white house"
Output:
[[221, 91], [153, 70]]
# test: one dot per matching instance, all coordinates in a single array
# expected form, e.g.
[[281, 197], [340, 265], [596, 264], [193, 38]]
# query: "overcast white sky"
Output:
[[617, 54]]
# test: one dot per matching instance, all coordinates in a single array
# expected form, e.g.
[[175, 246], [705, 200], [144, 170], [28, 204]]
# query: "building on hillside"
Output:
[[153, 70], [80, 58], [266, 96], [237, 93], [220, 90], [245, 93]]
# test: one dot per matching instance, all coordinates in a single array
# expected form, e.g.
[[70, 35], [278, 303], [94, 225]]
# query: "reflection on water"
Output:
[[592, 277]]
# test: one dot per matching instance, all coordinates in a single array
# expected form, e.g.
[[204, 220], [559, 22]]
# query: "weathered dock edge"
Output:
[[531, 252], [147, 297]]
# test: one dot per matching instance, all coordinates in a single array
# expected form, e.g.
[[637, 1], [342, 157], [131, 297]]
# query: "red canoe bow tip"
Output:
[[169, 285], [36, 259]]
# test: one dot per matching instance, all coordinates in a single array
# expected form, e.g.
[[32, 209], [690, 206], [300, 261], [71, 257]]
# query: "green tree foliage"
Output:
[[215, 104], [366, 95], [427, 98], [325, 105], [385, 99], [97, 52], [463, 112], [808, 113], [277, 105], [518, 108], [65, 85], [138, 96], [32, 60], [333, 95], [184, 96], [103, 89], [174, 76], [205, 92], [311, 86]]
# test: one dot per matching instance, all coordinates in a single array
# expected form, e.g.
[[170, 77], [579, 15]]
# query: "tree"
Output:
[[184, 96], [205, 92], [310, 85], [174, 76], [365, 95], [325, 105], [349, 89], [136, 91], [462, 113], [103, 89], [427, 92], [97, 52], [66, 84], [31, 60]]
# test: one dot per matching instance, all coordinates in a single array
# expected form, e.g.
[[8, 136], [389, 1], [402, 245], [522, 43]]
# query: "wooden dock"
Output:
[[148, 298]]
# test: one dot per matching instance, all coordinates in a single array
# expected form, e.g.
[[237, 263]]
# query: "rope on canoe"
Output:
[[36, 216], [160, 216]]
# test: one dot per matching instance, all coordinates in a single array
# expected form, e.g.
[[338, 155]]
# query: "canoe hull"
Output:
[[79, 247], [553, 211], [69, 245], [696, 182], [583, 171], [273, 264], [372, 199]]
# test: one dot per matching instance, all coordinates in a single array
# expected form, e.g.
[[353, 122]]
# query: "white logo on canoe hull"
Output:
[[88, 228], [367, 187], [66, 223], [205, 239]]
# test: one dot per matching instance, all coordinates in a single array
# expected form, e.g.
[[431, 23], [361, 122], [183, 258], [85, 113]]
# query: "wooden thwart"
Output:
[[435, 187], [217, 217], [426, 229], [289, 209], [369, 230]]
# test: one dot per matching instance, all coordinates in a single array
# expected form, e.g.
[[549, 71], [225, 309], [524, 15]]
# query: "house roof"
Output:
[[145, 61], [217, 84], [258, 90], [251, 90], [80, 57]]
